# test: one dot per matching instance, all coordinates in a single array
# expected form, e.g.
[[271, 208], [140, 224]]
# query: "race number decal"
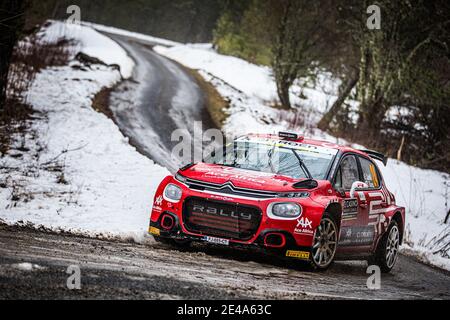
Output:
[[350, 211]]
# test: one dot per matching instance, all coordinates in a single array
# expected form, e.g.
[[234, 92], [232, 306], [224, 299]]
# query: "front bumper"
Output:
[[289, 250], [296, 239]]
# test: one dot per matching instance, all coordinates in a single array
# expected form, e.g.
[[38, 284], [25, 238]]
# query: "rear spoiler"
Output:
[[377, 156]]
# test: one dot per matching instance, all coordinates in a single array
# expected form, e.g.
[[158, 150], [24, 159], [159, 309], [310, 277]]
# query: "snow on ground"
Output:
[[26, 266], [81, 174], [251, 88], [135, 35], [111, 186], [91, 43]]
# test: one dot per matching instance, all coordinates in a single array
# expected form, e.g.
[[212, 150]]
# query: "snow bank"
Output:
[[138, 36], [425, 195], [110, 186], [250, 87], [91, 43], [252, 80]]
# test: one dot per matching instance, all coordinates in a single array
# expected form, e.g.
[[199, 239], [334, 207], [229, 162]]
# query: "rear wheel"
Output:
[[325, 243], [387, 251]]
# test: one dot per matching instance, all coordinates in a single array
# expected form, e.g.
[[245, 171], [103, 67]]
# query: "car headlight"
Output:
[[286, 210], [173, 192]]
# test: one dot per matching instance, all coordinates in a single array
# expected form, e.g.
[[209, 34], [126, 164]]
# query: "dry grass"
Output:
[[29, 57], [215, 103], [101, 100]]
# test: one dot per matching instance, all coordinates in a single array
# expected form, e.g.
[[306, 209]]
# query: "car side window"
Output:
[[348, 172], [370, 174], [338, 180]]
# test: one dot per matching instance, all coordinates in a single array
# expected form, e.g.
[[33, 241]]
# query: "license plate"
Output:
[[223, 242]]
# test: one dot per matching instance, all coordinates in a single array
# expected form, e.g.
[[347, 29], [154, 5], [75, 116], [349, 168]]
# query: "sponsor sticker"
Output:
[[154, 231], [357, 236], [350, 211], [159, 201], [223, 242], [157, 204], [303, 255], [304, 227]]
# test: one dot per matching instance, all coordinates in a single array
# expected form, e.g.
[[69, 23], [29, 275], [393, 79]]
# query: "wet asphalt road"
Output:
[[161, 97], [118, 270], [33, 264]]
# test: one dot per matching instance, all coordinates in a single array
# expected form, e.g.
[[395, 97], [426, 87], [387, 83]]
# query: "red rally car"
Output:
[[297, 198]]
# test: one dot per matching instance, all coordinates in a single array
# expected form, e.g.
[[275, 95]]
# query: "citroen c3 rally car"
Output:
[[301, 199]]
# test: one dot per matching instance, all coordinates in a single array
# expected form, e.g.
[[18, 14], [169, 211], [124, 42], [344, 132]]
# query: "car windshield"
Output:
[[298, 162]]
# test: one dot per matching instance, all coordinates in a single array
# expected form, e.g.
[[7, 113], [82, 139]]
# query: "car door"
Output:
[[376, 198], [355, 235]]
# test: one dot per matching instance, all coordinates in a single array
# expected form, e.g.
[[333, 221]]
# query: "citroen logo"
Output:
[[228, 185]]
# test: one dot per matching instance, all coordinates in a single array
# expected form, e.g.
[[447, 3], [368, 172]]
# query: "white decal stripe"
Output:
[[376, 194], [362, 196]]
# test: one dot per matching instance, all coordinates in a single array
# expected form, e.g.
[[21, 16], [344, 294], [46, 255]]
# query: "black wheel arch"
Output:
[[335, 210]]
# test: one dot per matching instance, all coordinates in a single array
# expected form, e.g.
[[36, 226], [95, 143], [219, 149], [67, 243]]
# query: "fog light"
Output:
[[275, 240], [167, 222]]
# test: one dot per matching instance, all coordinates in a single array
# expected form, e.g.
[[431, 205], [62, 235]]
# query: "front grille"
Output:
[[221, 219], [229, 189]]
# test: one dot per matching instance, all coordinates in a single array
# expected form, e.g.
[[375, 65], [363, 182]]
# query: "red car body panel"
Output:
[[359, 231]]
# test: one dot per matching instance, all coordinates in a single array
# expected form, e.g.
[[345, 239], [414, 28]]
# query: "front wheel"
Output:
[[387, 251], [325, 243]]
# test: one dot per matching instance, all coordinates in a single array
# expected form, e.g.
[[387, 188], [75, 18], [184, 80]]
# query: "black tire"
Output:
[[386, 248], [179, 244], [322, 257], [163, 240]]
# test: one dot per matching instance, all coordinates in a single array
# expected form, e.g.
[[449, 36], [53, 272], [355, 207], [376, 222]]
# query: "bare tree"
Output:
[[303, 40], [389, 56], [11, 23], [344, 91]]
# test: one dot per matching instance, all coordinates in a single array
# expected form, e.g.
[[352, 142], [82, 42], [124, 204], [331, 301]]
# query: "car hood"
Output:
[[240, 178]]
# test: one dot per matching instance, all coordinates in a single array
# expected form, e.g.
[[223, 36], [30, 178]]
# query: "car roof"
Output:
[[312, 142]]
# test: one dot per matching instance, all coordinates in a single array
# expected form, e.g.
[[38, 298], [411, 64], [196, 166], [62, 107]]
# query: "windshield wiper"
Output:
[[302, 165], [270, 154]]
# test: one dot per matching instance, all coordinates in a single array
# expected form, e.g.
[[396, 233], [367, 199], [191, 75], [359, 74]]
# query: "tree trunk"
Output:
[[372, 115], [324, 123], [283, 88], [11, 17]]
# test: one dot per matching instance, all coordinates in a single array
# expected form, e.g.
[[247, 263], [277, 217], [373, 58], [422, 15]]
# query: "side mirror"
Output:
[[306, 184], [358, 185]]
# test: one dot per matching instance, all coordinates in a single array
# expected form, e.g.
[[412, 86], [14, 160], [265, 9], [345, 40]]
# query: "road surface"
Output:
[[161, 97], [33, 265]]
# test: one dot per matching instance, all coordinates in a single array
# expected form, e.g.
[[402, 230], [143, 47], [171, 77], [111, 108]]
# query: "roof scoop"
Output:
[[291, 136], [308, 184]]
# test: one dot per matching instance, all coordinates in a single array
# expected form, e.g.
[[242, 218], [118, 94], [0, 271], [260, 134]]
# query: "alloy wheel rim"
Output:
[[325, 243], [392, 247]]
